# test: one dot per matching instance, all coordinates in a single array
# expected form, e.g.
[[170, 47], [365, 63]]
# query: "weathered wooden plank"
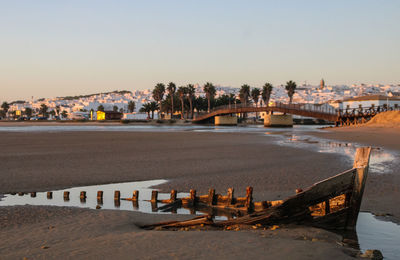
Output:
[[135, 195], [173, 195], [230, 197], [321, 191], [154, 195], [361, 161], [211, 195]]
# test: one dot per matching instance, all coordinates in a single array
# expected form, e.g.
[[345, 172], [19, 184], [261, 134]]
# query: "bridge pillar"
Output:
[[278, 121], [226, 120]]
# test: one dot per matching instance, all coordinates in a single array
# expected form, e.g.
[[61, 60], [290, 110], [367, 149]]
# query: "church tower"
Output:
[[322, 84]]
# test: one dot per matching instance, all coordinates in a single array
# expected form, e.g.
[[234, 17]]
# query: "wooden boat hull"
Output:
[[333, 203]]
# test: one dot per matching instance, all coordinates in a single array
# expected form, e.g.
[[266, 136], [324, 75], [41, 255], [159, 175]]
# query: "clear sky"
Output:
[[56, 48]]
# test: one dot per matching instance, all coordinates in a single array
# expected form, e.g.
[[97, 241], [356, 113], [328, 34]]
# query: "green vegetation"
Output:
[[171, 92], [266, 93], [210, 91], [290, 88], [182, 93], [131, 106], [43, 110], [100, 108], [158, 95]]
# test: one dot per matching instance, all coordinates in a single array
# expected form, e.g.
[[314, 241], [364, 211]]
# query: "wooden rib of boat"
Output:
[[333, 203]]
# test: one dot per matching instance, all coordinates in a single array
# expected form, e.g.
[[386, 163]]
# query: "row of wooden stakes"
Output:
[[211, 200]]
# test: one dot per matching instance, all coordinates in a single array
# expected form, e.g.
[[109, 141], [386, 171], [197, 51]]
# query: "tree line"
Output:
[[170, 98]]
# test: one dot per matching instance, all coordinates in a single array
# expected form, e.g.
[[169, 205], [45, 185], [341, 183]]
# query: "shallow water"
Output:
[[147, 128], [373, 233], [380, 160]]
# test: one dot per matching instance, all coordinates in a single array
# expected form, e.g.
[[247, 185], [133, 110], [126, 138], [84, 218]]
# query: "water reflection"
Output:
[[379, 161], [375, 233]]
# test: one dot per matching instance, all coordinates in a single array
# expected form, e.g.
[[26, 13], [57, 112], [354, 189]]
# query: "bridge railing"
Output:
[[303, 107], [366, 110]]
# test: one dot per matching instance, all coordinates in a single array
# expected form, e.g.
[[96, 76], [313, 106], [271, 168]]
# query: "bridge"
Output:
[[307, 110], [338, 116]]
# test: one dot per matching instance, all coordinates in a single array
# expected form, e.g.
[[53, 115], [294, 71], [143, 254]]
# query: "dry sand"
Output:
[[46, 161]]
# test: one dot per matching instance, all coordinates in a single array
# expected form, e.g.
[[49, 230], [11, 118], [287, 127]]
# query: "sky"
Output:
[[58, 48]]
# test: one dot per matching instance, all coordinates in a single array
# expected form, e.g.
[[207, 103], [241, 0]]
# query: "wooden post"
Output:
[[135, 195], [49, 195], [135, 204], [327, 207], [117, 203], [361, 162], [193, 197], [173, 195], [100, 197], [154, 206], [117, 195], [82, 195], [230, 196], [249, 197], [211, 195], [66, 195], [33, 194], [154, 195]]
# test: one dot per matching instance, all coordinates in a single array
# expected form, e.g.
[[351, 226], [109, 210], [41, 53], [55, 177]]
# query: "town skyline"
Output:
[[112, 89]]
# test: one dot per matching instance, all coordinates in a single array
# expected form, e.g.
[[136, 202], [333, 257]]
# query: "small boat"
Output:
[[333, 203]]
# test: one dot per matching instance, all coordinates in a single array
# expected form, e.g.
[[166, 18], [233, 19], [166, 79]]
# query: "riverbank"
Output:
[[40, 161]]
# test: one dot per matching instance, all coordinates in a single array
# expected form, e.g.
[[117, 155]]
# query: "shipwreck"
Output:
[[333, 203]]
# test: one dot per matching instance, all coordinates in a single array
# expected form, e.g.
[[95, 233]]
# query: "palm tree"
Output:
[[210, 91], [52, 113], [182, 93], [190, 96], [266, 93], [200, 104], [28, 112], [100, 108], [58, 110], [153, 107], [43, 110], [64, 114], [131, 106], [5, 106], [171, 91], [244, 94], [146, 109], [255, 95], [290, 88], [158, 95]]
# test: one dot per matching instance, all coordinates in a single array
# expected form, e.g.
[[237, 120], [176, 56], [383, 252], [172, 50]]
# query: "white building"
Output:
[[369, 101]]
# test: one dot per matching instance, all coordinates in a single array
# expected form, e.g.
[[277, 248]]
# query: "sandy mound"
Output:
[[390, 118]]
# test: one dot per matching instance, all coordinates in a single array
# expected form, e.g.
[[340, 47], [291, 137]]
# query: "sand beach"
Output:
[[41, 161]]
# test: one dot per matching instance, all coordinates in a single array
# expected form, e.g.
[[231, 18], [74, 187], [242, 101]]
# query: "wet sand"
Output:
[[59, 233], [45, 161], [382, 192]]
